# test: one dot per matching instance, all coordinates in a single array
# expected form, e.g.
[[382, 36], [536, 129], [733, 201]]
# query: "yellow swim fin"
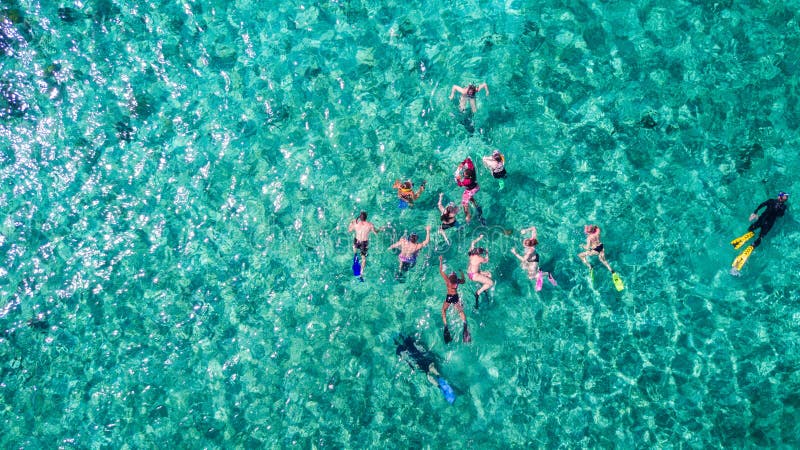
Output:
[[738, 242], [738, 263], [617, 281]]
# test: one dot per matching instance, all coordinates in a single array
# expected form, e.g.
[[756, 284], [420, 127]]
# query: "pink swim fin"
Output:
[[551, 279], [539, 278]]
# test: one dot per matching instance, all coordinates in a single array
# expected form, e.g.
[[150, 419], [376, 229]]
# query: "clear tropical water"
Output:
[[178, 176]]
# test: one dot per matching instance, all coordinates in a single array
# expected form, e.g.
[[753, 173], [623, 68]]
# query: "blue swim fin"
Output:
[[356, 266], [447, 391]]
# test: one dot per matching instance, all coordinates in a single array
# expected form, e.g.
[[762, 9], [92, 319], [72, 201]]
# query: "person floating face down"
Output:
[[466, 177], [418, 357], [529, 260], [773, 208], [451, 282], [362, 229], [406, 194], [468, 94], [478, 256], [496, 164], [448, 218], [593, 247], [409, 248]]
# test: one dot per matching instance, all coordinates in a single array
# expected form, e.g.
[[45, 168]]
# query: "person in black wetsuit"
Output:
[[415, 354], [775, 207]]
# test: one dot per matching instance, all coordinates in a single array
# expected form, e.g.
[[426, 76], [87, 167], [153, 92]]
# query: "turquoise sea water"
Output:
[[178, 176]]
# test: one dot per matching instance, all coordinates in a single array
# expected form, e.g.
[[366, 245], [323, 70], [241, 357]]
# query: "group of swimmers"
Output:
[[410, 246], [465, 177]]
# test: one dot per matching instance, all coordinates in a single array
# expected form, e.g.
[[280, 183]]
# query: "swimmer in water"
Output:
[[406, 194], [468, 93]]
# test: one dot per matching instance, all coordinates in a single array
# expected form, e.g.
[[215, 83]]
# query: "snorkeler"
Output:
[[530, 260], [448, 217], [409, 248], [406, 194], [415, 354], [468, 93], [773, 208], [474, 272], [451, 282], [467, 178], [362, 230], [496, 164], [593, 247]]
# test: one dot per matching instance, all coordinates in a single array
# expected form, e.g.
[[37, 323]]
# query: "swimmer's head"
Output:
[[451, 208], [469, 173], [497, 156], [472, 89], [589, 229], [783, 196], [413, 238], [477, 251], [406, 185], [362, 216], [530, 242], [454, 278]]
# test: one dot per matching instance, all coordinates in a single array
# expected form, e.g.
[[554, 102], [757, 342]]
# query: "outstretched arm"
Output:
[[441, 208], [441, 268], [427, 236], [456, 88], [484, 86], [472, 244], [532, 230], [396, 244], [519, 257], [419, 191], [351, 226]]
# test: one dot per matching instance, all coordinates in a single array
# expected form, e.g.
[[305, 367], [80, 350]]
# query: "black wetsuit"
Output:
[[420, 356], [775, 209]]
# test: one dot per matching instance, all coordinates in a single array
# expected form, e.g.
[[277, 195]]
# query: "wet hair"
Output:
[[449, 212], [477, 251], [497, 157], [454, 278], [471, 89], [406, 185], [362, 216], [530, 242], [591, 228], [413, 238], [469, 173]]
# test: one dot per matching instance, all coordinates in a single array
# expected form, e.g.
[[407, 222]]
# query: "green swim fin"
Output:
[[617, 281], [447, 337], [738, 263], [738, 242]]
